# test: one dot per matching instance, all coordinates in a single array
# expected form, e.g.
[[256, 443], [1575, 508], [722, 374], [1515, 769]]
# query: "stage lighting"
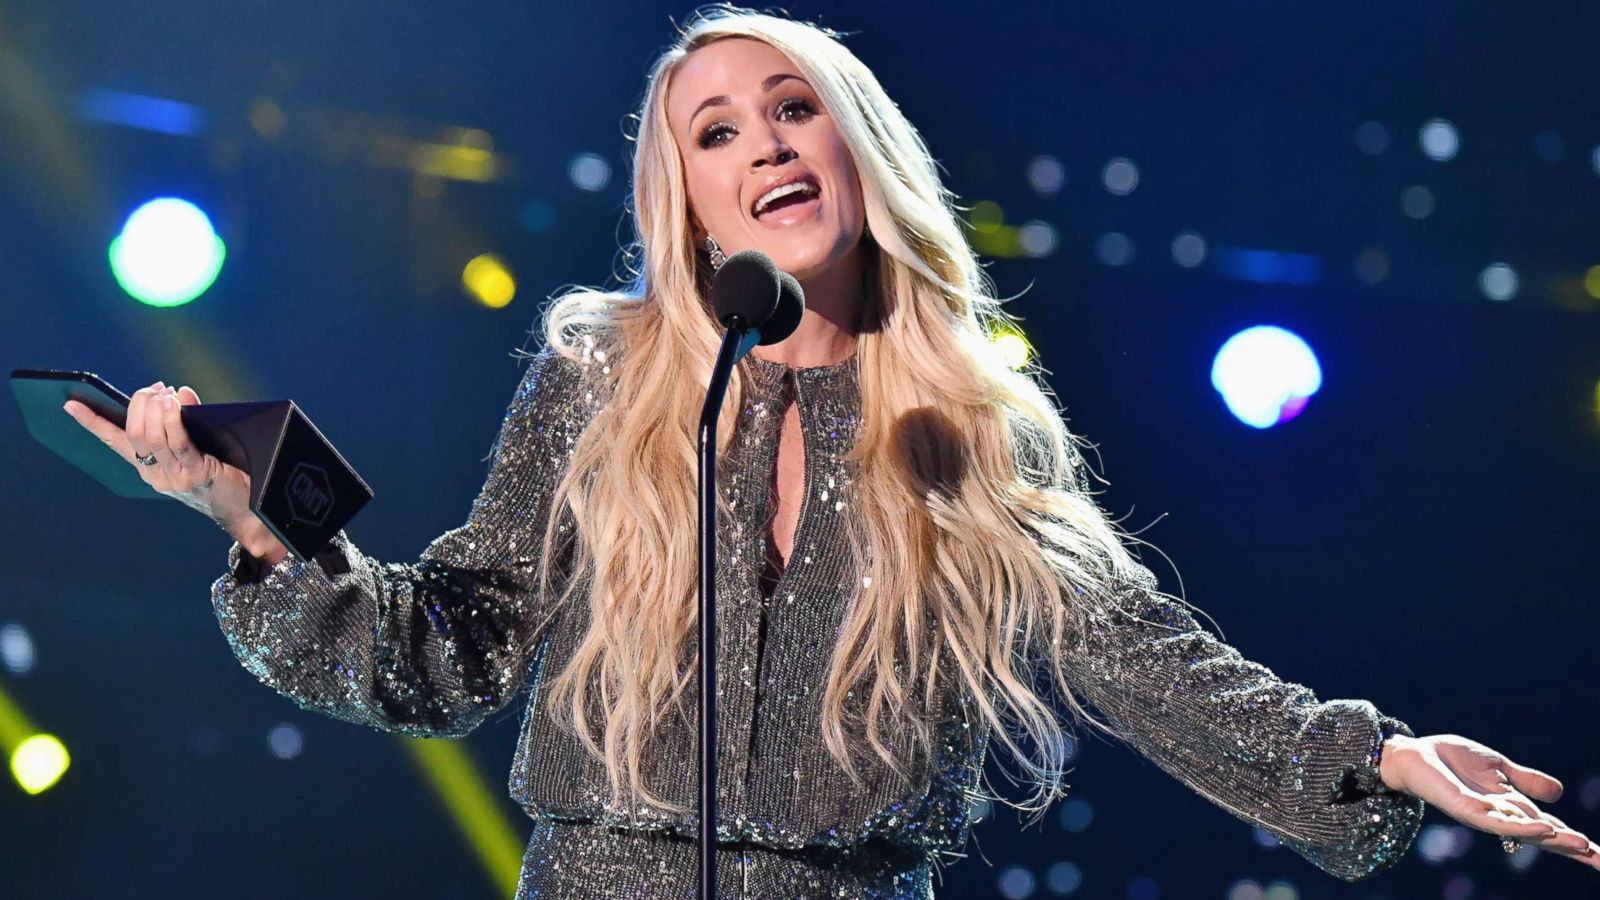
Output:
[[1047, 175], [488, 281], [39, 762], [1038, 239], [1188, 249], [16, 649], [1013, 347], [167, 253], [1439, 139], [589, 172], [1498, 281], [1114, 248], [1121, 176], [1265, 375]]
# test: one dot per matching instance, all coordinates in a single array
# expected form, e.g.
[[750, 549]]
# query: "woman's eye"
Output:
[[796, 109]]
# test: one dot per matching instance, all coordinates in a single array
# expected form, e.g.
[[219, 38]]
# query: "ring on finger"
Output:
[[147, 459], [1510, 845]]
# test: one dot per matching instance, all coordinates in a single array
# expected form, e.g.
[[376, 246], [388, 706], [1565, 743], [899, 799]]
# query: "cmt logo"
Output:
[[310, 495]]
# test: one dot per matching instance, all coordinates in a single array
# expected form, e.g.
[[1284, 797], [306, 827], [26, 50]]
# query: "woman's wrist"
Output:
[[1388, 760], [255, 539]]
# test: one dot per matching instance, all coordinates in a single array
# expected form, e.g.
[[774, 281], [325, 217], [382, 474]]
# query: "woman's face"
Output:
[[745, 122]]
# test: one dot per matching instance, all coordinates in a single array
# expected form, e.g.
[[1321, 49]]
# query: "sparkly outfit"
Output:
[[432, 648]]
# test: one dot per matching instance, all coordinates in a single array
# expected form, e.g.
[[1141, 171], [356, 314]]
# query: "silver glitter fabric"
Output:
[[432, 648]]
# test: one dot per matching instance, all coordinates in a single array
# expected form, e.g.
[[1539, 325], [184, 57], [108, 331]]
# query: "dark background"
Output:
[[1422, 536]]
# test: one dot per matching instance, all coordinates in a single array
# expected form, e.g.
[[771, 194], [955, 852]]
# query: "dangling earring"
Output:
[[715, 252]]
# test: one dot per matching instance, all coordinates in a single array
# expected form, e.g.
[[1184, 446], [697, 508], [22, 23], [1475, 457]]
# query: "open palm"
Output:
[[1479, 787]]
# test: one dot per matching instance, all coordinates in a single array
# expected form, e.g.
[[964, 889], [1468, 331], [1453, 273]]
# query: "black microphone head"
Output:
[[786, 318], [746, 286]]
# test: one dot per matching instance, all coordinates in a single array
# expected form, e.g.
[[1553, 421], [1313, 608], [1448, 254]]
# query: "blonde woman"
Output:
[[913, 572]]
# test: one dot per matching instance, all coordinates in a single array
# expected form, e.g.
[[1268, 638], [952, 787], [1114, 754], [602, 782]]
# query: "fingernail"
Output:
[[68, 407], [160, 385]]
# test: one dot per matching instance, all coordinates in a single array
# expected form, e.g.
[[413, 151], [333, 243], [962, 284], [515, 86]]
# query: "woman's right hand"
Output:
[[199, 480]]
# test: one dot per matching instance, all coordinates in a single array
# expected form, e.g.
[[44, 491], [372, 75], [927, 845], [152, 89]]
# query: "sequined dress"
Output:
[[432, 648]]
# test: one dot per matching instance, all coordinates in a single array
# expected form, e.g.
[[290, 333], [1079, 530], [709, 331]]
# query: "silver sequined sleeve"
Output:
[[1264, 749], [428, 648]]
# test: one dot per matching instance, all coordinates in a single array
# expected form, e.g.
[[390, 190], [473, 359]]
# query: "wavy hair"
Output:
[[981, 549]]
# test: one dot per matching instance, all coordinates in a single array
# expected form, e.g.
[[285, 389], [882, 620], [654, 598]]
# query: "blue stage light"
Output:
[[1266, 375]]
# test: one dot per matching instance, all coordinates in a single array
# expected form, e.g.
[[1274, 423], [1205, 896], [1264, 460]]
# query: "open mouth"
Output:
[[785, 200]]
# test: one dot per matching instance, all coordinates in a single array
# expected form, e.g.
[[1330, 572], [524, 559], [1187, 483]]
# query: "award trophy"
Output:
[[300, 487]]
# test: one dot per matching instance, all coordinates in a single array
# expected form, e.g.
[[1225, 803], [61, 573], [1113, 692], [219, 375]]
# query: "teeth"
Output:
[[783, 191]]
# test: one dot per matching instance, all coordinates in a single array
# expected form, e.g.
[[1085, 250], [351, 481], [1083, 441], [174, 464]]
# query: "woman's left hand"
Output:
[[1479, 787]]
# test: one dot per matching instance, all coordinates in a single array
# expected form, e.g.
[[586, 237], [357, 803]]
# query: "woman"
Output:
[[913, 565]]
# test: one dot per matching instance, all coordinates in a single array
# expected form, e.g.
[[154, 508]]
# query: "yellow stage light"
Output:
[[488, 281], [39, 762]]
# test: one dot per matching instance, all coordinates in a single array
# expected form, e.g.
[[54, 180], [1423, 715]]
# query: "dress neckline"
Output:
[[772, 373]]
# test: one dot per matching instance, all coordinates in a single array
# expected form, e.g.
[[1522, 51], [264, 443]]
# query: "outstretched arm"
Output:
[[1264, 749], [430, 648]]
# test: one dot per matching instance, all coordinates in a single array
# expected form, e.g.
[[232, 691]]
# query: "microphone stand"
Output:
[[736, 342]]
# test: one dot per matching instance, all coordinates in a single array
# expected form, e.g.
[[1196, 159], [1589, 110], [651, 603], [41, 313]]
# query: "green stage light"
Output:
[[167, 253]]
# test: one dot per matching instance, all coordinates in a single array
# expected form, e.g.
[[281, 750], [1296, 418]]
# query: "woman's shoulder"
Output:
[[577, 360]]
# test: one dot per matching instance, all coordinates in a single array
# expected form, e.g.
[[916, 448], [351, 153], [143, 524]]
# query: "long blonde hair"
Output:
[[981, 549]]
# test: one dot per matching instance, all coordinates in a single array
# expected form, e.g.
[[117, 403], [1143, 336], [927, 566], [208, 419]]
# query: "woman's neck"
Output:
[[827, 332]]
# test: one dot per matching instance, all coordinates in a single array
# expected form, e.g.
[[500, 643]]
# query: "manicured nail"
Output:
[[68, 407]]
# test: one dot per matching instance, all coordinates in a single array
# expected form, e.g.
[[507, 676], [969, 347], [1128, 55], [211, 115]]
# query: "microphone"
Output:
[[751, 294], [757, 304]]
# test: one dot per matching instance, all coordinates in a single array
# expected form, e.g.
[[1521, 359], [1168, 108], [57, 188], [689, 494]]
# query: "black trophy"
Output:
[[300, 487]]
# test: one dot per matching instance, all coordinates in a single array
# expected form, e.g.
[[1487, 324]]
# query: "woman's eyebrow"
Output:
[[771, 82]]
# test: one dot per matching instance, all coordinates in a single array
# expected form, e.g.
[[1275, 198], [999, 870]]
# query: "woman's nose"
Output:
[[774, 153]]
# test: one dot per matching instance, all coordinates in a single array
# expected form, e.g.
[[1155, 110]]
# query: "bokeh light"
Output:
[[1047, 175], [1143, 888], [16, 649], [1439, 139], [1038, 239], [1063, 879], [1498, 281], [1075, 815], [1266, 375], [488, 280], [1457, 887], [589, 172], [1372, 138], [1015, 883], [1438, 844], [1416, 201], [1589, 791], [1281, 890], [39, 762], [167, 253], [1591, 282], [1013, 347], [1121, 176], [1246, 889], [285, 741], [1372, 265], [1114, 249], [987, 216], [1188, 249]]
